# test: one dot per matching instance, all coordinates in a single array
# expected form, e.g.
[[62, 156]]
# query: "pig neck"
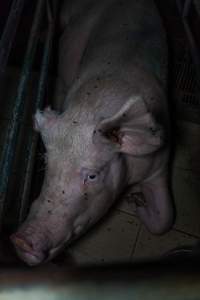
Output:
[[146, 168]]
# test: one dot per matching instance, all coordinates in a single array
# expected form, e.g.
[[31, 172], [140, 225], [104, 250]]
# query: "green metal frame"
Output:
[[18, 109]]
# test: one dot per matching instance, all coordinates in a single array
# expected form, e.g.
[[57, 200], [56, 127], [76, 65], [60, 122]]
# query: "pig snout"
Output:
[[34, 254], [31, 248], [37, 242], [26, 251]]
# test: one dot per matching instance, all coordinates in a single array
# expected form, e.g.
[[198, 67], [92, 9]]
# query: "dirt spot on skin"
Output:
[[139, 200], [153, 130]]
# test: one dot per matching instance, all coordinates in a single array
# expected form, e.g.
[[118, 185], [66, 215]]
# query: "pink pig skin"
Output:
[[110, 131]]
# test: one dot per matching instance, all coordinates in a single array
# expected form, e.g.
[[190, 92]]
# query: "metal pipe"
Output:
[[13, 131], [180, 5], [152, 281], [186, 8], [33, 138], [193, 47], [9, 33]]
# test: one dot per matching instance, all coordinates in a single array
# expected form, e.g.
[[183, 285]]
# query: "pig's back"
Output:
[[128, 33], [113, 39]]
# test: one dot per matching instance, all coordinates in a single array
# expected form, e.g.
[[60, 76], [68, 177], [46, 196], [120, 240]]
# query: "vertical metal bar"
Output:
[[180, 5], [33, 138], [10, 32], [193, 47], [186, 8], [11, 141]]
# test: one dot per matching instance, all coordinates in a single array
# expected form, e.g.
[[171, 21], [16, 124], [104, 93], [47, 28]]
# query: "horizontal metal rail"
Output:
[[149, 281], [13, 131], [9, 33]]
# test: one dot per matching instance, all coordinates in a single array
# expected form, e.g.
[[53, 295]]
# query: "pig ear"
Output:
[[45, 120], [132, 130]]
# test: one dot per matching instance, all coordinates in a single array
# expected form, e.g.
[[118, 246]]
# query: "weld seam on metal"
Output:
[[13, 131]]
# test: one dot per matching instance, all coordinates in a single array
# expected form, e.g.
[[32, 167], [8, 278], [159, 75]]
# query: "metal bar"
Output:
[[193, 47], [197, 6], [186, 8], [33, 138], [180, 5], [13, 131], [150, 281], [10, 32]]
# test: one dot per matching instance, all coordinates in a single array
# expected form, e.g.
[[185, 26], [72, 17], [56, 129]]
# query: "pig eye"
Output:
[[89, 175], [92, 177]]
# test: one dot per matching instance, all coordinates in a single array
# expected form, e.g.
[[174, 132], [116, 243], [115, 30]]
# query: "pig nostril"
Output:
[[27, 252], [21, 243]]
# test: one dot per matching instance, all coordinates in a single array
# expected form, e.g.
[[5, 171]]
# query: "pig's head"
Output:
[[86, 170]]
